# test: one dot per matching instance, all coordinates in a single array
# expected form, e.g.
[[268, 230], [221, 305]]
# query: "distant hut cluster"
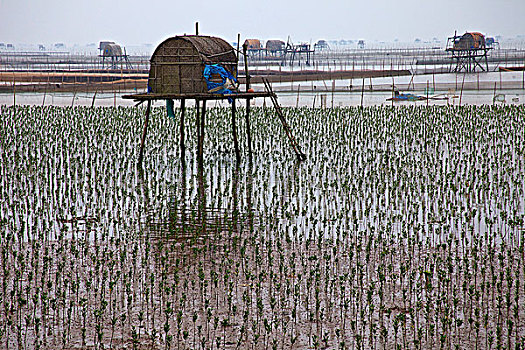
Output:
[[276, 46], [4, 46], [287, 52]]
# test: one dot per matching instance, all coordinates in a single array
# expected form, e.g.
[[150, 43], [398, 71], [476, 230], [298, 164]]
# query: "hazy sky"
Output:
[[136, 22]]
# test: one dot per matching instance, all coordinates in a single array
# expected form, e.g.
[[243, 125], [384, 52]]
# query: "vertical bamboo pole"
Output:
[[362, 91], [297, 102], [144, 132], [183, 199], [393, 87], [234, 132], [14, 90], [494, 97], [238, 43], [198, 124], [462, 84], [45, 91], [523, 77], [428, 87], [182, 146], [201, 141], [246, 73], [202, 198], [247, 115], [248, 132], [333, 90]]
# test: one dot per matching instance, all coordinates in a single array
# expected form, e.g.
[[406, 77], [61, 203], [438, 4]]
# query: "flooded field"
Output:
[[403, 228]]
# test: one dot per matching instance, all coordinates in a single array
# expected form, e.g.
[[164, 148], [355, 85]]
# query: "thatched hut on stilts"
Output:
[[201, 68]]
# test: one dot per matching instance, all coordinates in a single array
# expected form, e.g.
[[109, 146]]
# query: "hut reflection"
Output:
[[201, 215]]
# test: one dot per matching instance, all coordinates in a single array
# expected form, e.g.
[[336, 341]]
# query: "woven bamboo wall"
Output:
[[177, 64]]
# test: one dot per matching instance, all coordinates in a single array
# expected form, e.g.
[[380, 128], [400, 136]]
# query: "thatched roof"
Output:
[[253, 44], [212, 49], [275, 45]]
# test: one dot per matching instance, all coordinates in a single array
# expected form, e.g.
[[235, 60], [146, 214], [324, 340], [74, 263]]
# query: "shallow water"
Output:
[[447, 88]]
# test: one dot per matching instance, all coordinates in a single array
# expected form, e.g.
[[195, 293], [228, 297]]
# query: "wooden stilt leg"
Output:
[[247, 116], [183, 201], [234, 131], [201, 135], [202, 198], [198, 122], [182, 146], [146, 122]]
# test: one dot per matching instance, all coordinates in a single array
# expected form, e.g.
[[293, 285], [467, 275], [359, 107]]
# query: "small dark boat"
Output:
[[406, 97]]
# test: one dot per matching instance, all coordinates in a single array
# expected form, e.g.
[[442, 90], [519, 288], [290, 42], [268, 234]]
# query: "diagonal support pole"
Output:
[[287, 128]]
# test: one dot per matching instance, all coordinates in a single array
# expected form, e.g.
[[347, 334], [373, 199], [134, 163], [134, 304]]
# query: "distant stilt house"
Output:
[[469, 51], [113, 55], [322, 45], [299, 52], [275, 47], [254, 47]]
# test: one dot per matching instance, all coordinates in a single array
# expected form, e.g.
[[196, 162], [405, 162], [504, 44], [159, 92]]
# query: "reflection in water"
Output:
[[189, 217]]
